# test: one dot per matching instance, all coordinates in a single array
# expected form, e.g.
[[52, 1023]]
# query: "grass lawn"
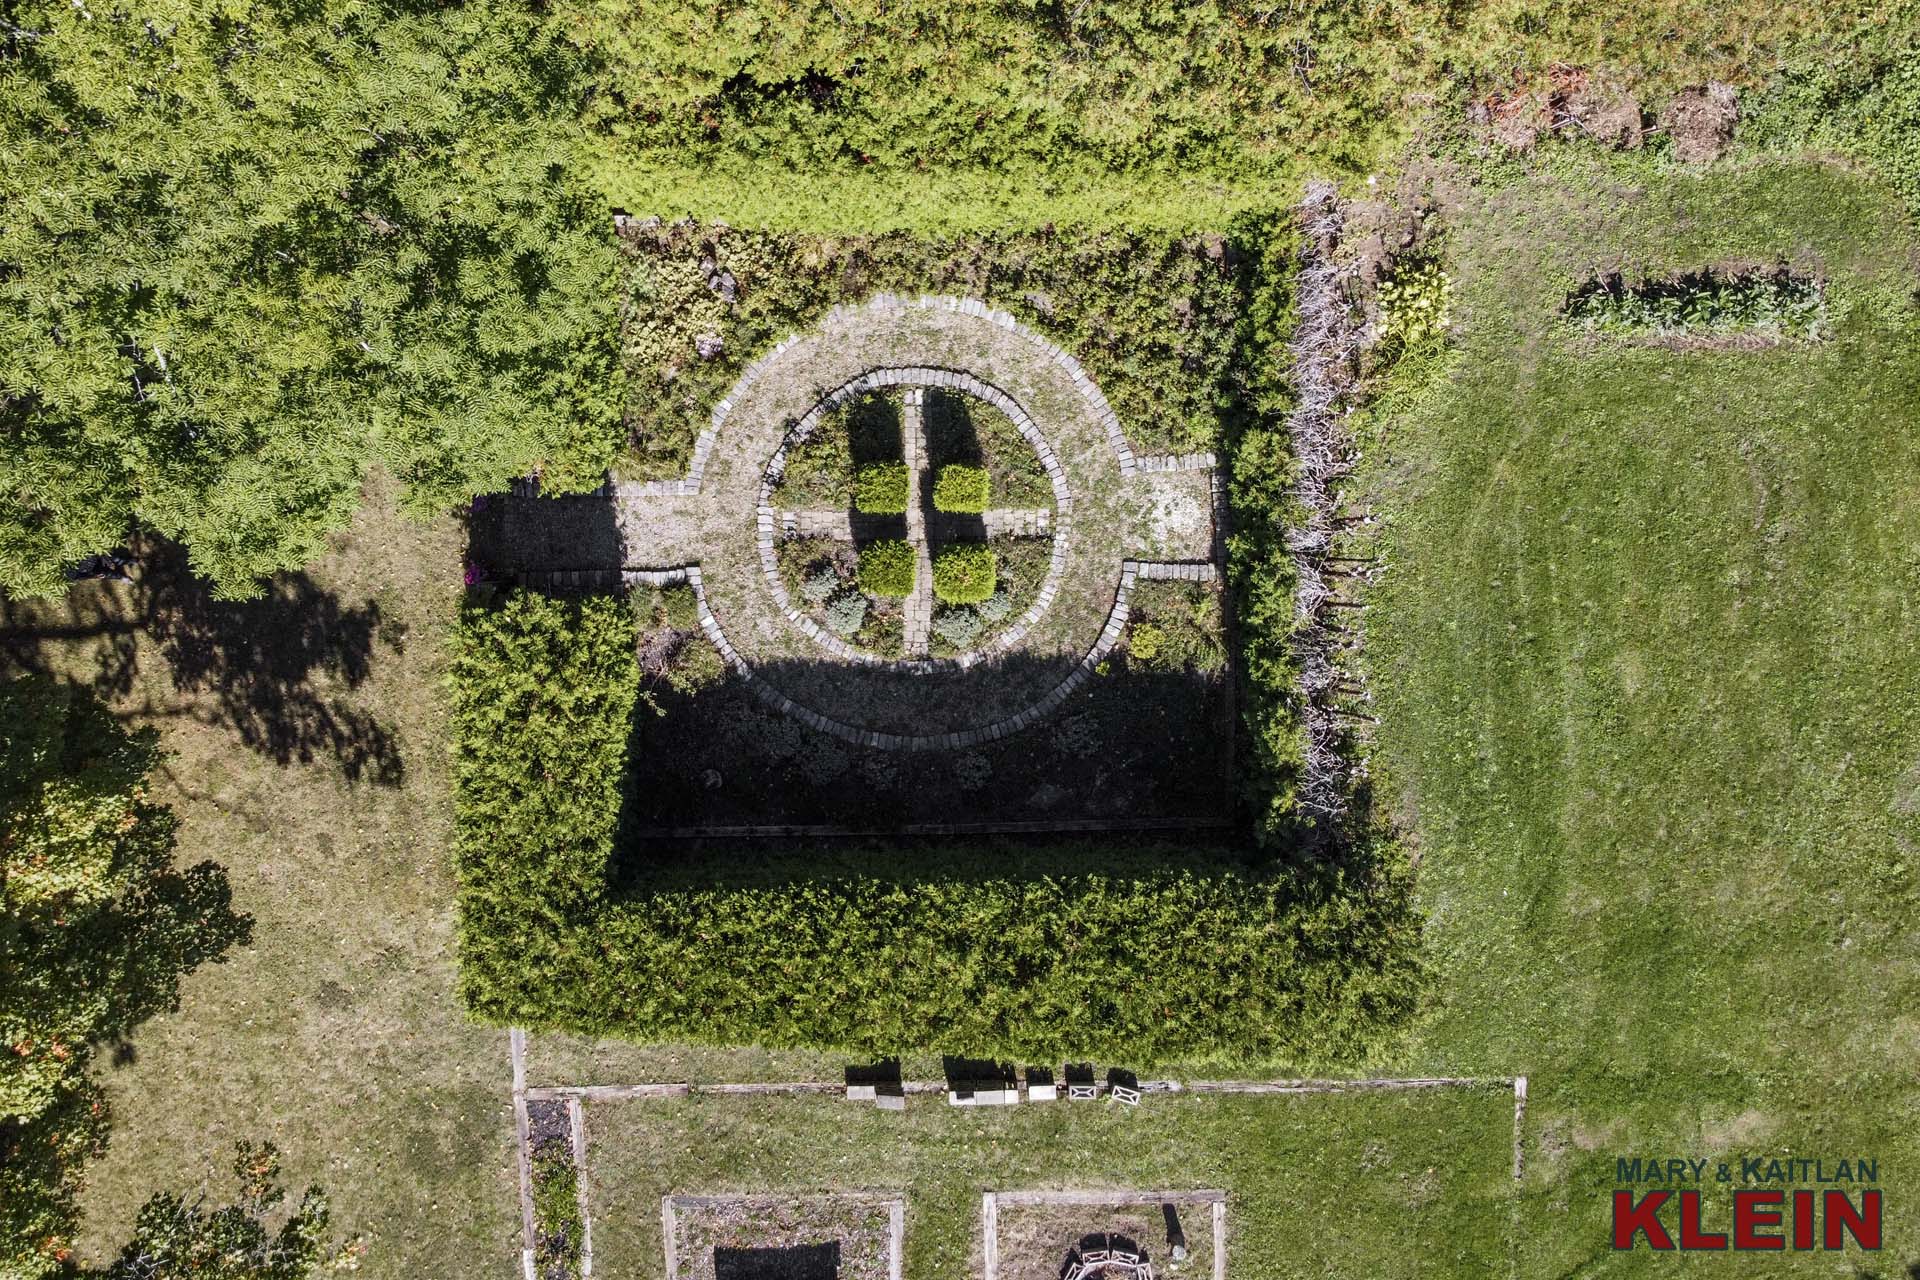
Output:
[[1646, 666], [1420, 1182], [337, 1034]]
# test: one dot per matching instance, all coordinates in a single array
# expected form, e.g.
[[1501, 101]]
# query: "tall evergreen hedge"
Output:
[[1105, 948]]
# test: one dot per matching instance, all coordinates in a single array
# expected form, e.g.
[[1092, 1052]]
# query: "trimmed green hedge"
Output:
[[543, 696], [961, 489], [1146, 953], [964, 574], [886, 568], [880, 489]]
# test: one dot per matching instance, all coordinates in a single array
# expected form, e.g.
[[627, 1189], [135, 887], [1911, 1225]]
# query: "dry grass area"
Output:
[[307, 758], [782, 1238]]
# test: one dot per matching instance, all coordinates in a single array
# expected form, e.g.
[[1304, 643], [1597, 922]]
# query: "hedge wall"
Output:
[[1102, 948]]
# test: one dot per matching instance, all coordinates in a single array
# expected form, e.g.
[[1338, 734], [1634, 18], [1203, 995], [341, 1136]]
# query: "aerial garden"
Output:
[[743, 541]]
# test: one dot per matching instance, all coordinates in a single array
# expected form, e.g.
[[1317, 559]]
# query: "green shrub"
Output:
[[1147, 953], [1260, 572], [846, 614], [961, 489], [959, 628], [886, 568], [880, 488], [997, 607], [543, 692], [964, 574], [1144, 641], [1774, 303]]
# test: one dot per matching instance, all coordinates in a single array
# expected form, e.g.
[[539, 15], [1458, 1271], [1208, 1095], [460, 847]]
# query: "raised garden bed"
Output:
[[829, 1237], [1045, 1241]]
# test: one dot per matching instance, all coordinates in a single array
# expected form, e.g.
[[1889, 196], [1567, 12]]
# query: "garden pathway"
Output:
[[1112, 514], [913, 440]]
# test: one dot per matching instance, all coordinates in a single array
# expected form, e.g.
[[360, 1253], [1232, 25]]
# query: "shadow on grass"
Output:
[[255, 667]]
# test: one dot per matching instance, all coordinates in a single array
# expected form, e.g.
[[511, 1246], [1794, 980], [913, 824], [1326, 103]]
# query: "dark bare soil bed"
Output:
[[781, 1238]]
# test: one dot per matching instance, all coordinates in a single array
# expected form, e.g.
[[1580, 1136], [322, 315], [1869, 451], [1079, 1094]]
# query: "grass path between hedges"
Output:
[[1648, 662]]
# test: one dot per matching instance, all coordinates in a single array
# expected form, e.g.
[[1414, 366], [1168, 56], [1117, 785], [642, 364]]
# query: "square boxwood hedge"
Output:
[[886, 568], [964, 574], [880, 489], [1143, 952], [961, 489]]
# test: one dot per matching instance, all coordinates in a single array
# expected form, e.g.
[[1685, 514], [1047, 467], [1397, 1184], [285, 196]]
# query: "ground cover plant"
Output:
[[969, 433], [1433, 1166], [559, 1231], [1152, 317], [1642, 673], [1175, 626], [822, 578], [820, 470]]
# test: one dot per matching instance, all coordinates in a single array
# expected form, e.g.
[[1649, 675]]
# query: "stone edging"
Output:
[[1177, 462], [1178, 571], [945, 380], [1109, 636], [703, 447]]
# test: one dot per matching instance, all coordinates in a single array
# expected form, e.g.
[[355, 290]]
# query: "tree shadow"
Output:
[[159, 922], [252, 666]]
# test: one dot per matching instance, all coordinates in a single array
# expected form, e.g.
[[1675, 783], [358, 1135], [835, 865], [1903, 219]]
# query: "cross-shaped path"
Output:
[[923, 526], [1113, 516]]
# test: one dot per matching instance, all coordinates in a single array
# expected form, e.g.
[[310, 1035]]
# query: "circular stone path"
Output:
[[1113, 511]]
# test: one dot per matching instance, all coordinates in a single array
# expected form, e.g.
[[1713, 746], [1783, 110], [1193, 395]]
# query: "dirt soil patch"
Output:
[[1701, 122], [781, 1238]]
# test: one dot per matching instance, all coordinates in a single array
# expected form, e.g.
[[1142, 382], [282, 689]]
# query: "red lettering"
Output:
[[1863, 1224], [1691, 1236], [1803, 1219], [1749, 1216], [1630, 1219]]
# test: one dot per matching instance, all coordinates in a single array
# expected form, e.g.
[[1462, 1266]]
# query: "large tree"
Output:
[[248, 249], [96, 928]]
